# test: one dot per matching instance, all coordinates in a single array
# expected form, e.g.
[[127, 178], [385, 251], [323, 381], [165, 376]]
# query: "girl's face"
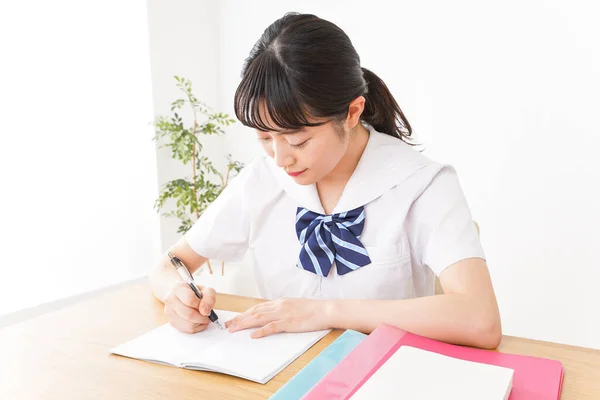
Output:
[[307, 155], [310, 154]]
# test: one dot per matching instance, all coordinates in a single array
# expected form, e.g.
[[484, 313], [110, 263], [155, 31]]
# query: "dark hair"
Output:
[[304, 66]]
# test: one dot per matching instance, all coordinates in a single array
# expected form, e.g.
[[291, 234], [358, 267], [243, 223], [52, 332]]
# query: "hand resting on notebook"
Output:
[[283, 315]]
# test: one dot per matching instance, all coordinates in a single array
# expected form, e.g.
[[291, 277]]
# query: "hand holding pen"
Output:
[[188, 308]]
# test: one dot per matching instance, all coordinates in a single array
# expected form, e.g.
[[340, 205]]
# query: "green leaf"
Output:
[[188, 197]]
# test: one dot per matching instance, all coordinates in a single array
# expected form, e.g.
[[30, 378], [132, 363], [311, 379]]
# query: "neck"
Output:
[[345, 168]]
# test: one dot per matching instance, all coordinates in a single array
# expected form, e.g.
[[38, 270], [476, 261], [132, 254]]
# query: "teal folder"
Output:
[[320, 366]]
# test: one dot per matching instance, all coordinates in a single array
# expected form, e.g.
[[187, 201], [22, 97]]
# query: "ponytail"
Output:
[[382, 111]]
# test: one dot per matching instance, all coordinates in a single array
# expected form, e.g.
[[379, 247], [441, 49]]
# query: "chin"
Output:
[[304, 180]]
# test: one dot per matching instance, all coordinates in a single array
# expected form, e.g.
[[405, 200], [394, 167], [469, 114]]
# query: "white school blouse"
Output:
[[417, 223]]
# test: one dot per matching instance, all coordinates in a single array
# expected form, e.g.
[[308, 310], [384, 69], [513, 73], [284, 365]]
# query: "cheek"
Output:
[[268, 148], [327, 156]]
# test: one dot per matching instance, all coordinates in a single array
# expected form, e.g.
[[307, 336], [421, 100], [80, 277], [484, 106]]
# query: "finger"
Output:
[[254, 319], [173, 315], [186, 326], [189, 314], [262, 307], [269, 329], [240, 317], [209, 296], [187, 296], [181, 324]]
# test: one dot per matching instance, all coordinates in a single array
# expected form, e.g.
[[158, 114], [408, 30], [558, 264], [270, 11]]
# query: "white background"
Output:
[[77, 162], [506, 92]]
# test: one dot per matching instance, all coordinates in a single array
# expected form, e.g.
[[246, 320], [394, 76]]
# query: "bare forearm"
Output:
[[162, 278], [453, 318]]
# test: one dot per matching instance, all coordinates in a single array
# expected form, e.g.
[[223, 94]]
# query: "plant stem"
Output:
[[227, 176], [195, 185], [194, 173], [224, 185]]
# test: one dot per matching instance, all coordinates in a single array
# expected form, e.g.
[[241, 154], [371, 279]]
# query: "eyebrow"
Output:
[[288, 132]]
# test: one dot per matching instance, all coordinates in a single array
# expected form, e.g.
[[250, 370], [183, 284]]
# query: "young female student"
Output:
[[346, 222]]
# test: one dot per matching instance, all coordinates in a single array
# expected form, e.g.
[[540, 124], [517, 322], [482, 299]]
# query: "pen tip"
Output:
[[219, 325]]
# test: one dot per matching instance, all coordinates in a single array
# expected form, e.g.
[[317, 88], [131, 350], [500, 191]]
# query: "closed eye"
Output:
[[299, 146]]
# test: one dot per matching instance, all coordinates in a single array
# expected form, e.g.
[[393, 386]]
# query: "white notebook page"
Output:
[[215, 349], [416, 374]]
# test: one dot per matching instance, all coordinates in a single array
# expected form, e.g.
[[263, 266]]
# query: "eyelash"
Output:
[[295, 146], [299, 146]]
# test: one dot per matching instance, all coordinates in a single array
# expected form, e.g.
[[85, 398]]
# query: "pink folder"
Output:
[[534, 378]]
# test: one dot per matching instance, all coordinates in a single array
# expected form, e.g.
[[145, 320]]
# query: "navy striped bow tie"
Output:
[[325, 238]]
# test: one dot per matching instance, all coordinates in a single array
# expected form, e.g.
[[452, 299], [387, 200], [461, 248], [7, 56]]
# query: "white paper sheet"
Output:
[[417, 374]]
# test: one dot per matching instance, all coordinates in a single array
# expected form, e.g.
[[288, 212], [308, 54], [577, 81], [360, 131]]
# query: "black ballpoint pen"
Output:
[[187, 277]]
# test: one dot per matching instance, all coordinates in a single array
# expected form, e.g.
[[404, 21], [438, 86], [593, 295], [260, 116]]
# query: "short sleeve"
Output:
[[440, 226], [223, 229]]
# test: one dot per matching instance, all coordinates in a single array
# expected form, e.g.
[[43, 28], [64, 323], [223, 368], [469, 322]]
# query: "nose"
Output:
[[281, 154]]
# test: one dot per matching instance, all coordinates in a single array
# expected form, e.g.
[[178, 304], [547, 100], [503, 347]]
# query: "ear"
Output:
[[355, 110]]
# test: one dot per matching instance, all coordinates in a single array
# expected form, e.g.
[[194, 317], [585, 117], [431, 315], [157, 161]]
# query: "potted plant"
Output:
[[192, 194]]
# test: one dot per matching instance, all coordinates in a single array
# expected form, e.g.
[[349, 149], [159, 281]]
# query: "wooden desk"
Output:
[[64, 355]]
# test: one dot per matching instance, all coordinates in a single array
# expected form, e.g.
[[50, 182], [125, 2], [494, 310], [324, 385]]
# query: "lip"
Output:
[[294, 174]]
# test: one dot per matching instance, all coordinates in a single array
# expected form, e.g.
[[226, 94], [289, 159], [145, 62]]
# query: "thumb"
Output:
[[209, 296]]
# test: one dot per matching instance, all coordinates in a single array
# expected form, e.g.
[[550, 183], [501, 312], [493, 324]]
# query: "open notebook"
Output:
[[413, 373], [217, 350]]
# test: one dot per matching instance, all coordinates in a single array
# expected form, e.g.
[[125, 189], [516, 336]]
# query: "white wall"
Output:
[[184, 41], [77, 161], [508, 93]]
